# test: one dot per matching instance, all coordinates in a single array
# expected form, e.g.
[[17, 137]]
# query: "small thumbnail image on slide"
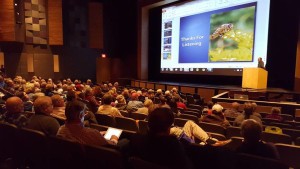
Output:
[[168, 40], [231, 35], [168, 25], [167, 32], [166, 56], [167, 48]]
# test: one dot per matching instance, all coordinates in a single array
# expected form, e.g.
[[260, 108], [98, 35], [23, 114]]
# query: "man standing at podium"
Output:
[[261, 63]]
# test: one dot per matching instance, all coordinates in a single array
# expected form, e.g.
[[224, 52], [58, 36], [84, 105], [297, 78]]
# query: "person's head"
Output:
[[148, 103], [57, 101], [254, 106], [22, 95], [217, 109], [71, 95], [259, 59], [251, 131], [43, 105], [275, 111], [235, 105], [107, 99], [160, 121], [210, 104], [75, 111], [134, 96], [248, 109], [14, 105], [121, 99], [159, 91]]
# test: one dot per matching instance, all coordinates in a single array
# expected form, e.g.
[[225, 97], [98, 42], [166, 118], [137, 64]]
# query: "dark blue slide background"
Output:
[[192, 26]]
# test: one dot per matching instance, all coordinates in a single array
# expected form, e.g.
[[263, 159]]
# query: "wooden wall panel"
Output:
[[142, 85], [206, 93], [55, 22], [160, 86], [170, 87], [7, 20], [185, 89], [95, 25], [150, 85], [136, 84]]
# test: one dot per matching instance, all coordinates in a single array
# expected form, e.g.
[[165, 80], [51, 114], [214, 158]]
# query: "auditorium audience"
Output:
[[217, 117], [233, 111], [14, 112], [275, 114], [58, 107], [28, 105], [121, 102], [74, 128], [158, 146], [208, 110], [251, 130], [106, 107], [134, 103], [42, 120], [148, 104], [247, 114]]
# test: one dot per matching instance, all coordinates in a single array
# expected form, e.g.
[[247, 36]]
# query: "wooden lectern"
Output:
[[255, 78]]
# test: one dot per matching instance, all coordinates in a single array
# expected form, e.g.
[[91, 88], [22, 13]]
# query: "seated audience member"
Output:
[[208, 110], [58, 107], [42, 119], [121, 102], [168, 95], [216, 117], [275, 114], [147, 104], [134, 103], [14, 112], [26, 102], [254, 106], [247, 114], [251, 130], [94, 104], [191, 131], [158, 146], [106, 107], [179, 103], [74, 128], [233, 111], [158, 93]]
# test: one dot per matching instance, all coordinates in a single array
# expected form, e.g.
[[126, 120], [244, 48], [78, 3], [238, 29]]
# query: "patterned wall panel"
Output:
[[36, 22]]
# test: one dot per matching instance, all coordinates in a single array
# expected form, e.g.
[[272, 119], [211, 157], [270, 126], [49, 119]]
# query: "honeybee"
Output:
[[221, 30]]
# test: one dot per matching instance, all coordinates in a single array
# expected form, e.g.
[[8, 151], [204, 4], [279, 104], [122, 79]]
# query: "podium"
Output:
[[255, 78]]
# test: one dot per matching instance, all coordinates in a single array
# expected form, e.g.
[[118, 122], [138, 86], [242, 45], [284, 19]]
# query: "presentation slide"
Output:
[[217, 37]]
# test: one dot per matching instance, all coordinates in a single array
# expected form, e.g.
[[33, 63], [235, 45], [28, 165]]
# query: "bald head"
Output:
[[14, 105], [43, 105]]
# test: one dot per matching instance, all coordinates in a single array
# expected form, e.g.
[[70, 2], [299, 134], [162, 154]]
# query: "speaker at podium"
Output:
[[255, 78]]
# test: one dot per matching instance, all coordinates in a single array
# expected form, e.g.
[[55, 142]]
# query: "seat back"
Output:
[[235, 143], [180, 122], [281, 125], [102, 157], [214, 128], [233, 132], [289, 154], [287, 117], [124, 113], [106, 120], [247, 161], [195, 106], [138, 116], [65, 154], [143, 127], [276, 138], [138, 163], [33, 150], [217, 136], [126, 124], [297, 141], [7, 140], [291, 132], [189, 117], [192, 113]]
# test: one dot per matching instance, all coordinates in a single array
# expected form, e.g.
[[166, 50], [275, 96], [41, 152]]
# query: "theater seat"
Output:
[[289, 154]]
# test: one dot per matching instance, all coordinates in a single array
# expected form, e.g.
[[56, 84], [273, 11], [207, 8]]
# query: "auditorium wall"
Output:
[[297, 63], [71, 37]]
